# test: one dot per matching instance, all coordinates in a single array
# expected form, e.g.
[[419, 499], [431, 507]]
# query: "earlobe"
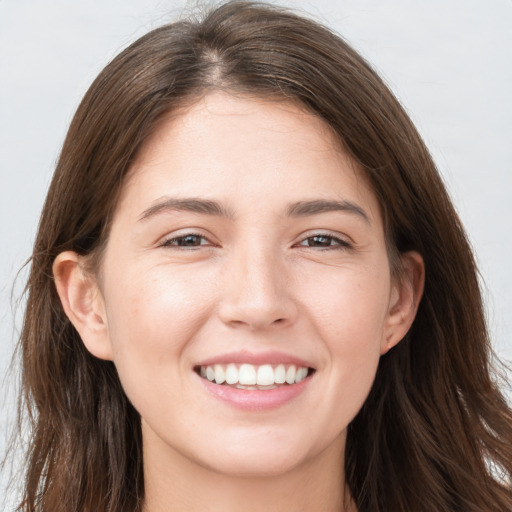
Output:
[[404, 301], [83, 303]]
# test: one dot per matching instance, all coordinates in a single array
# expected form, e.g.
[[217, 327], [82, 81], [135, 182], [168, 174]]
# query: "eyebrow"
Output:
[[194, 205], [305, 208], [217, 209]]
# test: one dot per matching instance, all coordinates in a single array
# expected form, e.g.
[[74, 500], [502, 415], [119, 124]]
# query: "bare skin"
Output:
[[277, 252], [197, 488]]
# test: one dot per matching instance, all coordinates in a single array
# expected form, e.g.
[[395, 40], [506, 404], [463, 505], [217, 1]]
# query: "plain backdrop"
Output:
[[449, 63]]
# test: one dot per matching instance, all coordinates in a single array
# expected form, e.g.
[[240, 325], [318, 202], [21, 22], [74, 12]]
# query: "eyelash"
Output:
[[169, 242], [338, 242]]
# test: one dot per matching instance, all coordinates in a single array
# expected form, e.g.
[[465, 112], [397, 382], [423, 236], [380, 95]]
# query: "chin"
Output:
[[257, 458], [243, 466]]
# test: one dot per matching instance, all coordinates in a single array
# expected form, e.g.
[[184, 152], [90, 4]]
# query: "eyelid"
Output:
[[167, 240], [343, 241]]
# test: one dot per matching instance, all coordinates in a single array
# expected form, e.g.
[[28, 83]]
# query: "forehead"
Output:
[[238, 148], [251, 119]]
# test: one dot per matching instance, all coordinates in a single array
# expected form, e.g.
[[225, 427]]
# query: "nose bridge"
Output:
[[256, 292]]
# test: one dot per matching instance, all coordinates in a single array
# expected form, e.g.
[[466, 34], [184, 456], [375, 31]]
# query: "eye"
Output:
[[324, 241], [188, 240]]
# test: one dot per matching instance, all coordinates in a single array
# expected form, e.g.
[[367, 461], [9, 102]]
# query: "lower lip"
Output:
[[253, 400]]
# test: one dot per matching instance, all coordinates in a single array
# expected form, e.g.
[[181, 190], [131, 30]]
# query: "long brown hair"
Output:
[[435, 432]]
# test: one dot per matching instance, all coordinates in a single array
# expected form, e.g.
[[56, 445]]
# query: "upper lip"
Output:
[[256, 358]]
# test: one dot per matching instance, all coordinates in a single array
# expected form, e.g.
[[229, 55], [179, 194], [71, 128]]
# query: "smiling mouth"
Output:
[[254, 377]]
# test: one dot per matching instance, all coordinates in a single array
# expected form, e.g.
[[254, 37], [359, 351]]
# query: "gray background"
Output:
[[448, 61]]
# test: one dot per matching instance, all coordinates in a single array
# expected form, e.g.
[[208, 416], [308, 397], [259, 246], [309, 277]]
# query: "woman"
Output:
[[250, 289]]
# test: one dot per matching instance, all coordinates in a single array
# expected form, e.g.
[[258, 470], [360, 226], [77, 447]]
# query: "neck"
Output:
[[174, 484]]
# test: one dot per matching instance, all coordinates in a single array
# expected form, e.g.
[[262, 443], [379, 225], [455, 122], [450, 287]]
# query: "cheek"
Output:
[[153, 313], [350, 306], [152, 318], [349, 312]]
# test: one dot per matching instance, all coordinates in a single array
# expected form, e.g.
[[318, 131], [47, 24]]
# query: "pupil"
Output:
[[189, 240], [322, 241]]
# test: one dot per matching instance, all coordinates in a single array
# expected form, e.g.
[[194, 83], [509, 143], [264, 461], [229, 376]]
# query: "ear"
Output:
[[83, 303], [405, 297]]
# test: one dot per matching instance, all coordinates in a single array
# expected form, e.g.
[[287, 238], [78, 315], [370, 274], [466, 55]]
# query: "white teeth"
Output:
[[280, 374], [248, 376], [290, 374], [231, 374], [265, 375], [300, 374], [220, 376]]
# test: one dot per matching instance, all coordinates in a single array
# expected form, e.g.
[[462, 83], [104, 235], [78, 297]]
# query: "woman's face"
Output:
[[245, 245]]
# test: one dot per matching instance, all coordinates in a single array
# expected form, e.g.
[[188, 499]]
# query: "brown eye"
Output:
[[189, 240], [320, 241], [324, 242]]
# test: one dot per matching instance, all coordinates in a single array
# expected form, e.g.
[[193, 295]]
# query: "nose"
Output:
[[257, 292]]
